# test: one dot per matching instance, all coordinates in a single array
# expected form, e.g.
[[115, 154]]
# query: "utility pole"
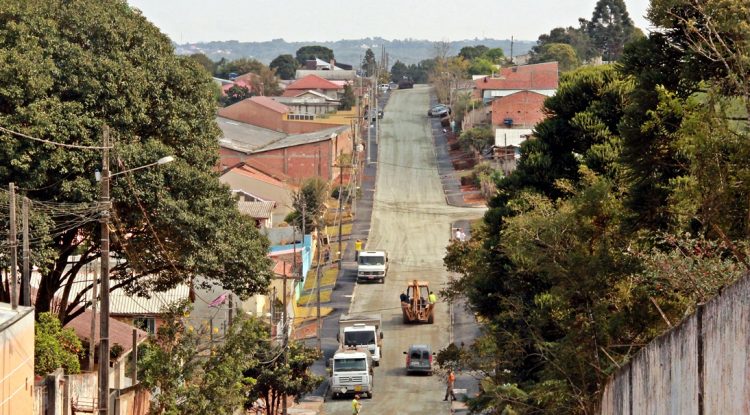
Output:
[[92, 339], [341, 212], [104, 314], [317, 284], [369, 119], [26, 277], [13, 239]]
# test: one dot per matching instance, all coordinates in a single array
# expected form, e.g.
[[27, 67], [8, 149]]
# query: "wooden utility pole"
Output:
[[317, 284], [26, 277], [134, 357], [13, 239], [341, 212], [104, 315], [92, 339]]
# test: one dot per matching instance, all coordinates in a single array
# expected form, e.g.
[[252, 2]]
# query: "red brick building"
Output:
[[293, 156], [541, 78], [519, 110], [266, 113]]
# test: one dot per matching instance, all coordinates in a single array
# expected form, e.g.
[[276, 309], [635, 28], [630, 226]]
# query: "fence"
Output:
[[700, 367], [57, 394]]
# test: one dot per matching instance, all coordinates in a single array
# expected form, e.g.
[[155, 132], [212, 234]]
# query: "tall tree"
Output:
[[285, 66], [398, 71], [347, 99], [611, 28], [306, 53], [55, 346], [170, 224], [369, 64]]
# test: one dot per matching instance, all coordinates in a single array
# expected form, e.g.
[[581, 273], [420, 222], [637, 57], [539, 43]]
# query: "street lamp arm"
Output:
[[163, 160]]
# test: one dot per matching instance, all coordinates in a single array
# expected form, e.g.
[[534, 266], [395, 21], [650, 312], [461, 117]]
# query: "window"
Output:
[[300, 117], [147, 324], [349, 365]]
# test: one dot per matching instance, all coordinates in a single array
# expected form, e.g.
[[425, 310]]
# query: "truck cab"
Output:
[[363, 336], [351, 372], [372, 266]]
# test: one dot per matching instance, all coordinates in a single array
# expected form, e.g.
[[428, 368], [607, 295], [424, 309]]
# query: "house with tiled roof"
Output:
[[541, 78], [252, 185], [314, 83]]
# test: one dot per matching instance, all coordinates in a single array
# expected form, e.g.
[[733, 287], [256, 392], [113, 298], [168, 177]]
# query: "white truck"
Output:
[[361, 331], [351, 372], [372, 265]]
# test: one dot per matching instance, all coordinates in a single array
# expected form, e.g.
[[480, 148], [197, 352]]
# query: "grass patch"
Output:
[[346, 229], [327, 278], [311, 299]]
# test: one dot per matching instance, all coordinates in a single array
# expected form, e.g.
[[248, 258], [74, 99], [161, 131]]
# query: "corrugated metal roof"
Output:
[[120, 303], [299, 139], [245, 137], [256, 210]]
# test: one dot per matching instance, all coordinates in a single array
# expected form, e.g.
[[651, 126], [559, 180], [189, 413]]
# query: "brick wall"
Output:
[[525, 108]]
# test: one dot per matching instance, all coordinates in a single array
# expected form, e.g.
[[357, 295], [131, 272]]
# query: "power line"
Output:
[[55, 143]]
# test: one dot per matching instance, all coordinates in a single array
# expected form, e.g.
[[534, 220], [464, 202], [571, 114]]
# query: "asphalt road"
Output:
[[411, 220]]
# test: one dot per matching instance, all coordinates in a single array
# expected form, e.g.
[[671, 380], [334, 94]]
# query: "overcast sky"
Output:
[[186, 21]]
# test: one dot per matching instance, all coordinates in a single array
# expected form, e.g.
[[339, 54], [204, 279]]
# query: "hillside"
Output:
[[347, 51]]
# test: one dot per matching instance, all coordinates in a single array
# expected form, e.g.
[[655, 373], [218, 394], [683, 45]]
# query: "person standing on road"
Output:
[[357, 248], [356, 405], [450, 380], [432, 298]]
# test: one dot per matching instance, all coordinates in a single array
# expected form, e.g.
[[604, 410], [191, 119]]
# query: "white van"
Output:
[[372, 266]]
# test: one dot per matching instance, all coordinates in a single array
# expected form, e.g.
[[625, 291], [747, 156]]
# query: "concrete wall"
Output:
[[707, 352], [17, 361]]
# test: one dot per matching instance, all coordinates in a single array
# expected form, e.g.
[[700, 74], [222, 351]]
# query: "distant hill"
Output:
[[347, 51]]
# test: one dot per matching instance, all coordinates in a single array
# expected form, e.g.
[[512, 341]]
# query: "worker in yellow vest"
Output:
[[357, 249]]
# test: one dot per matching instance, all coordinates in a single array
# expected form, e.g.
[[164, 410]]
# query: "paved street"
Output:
[[411, 220]]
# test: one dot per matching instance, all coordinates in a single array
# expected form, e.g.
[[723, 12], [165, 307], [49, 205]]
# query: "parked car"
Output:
[[439, 110], [419, 359]]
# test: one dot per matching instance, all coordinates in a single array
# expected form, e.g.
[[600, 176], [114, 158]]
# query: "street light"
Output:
[[104, 177]]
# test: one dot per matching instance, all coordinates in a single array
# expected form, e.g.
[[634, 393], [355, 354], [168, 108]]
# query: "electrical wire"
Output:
[[41, 140]]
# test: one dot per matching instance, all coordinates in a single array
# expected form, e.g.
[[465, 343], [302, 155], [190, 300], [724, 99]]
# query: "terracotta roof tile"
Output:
[[313, 82], [537, 77], [271, 104]]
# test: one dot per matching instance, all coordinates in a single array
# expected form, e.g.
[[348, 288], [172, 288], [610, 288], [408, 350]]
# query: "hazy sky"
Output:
[[323, 20]]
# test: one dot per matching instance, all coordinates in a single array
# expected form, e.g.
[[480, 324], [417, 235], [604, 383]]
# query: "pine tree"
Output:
[[610, 28]]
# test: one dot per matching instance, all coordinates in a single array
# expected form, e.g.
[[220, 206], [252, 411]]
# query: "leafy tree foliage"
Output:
[[481, 66], [171, 223], [193, 375], [398, 71], [236, 94], [285, 66], [494, 55], [347, 99], [204, 61], [276, 379], [561, 53], [628, 208], [578, 38], [306, 53], [478, 139], [238, 67], [369, 64], [472, 52], [55, 346], [312, 195]]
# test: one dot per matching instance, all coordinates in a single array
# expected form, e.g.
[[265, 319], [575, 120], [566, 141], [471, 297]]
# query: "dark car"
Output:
[[419, 359], [439, 110]]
